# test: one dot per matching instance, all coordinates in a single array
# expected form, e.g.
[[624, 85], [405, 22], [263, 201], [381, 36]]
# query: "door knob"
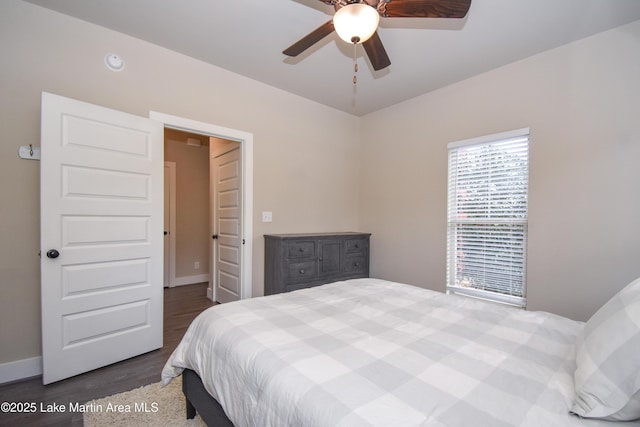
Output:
[[52, 253], [214, 237]]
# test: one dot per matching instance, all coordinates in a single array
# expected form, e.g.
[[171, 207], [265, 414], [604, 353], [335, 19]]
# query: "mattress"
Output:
[[369, 352]]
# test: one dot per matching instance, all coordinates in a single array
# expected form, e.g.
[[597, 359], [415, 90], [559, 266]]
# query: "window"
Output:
[[487, 217]]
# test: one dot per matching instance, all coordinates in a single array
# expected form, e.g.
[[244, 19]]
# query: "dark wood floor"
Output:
[[181, 305]]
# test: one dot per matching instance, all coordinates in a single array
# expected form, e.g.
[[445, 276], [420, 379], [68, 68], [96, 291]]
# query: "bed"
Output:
[[369, 352]]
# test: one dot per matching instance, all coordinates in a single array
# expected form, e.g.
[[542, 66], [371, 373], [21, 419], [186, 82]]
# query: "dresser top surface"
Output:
[[316, 235]]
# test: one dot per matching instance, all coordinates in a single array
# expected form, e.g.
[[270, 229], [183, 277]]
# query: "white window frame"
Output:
[[460, 216]]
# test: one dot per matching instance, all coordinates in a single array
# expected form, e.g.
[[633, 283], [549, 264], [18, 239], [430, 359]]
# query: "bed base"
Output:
[[199, 401]]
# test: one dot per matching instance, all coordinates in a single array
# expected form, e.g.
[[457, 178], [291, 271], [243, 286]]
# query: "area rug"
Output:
[[151, 405]]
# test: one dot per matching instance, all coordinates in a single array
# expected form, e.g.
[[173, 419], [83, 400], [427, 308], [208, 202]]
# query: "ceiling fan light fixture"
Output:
[[356, 22]]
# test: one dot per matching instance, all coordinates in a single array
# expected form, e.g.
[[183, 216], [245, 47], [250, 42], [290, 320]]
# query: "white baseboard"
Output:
[[190, 280], [28, 368], [20, 369]]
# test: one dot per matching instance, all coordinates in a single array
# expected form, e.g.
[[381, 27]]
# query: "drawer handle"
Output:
[[301, 271], [301, 250], [356, 264], [357, 246]]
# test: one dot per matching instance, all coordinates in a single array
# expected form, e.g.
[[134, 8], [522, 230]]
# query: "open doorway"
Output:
[[203, 212], [186, 215], [204, 134]]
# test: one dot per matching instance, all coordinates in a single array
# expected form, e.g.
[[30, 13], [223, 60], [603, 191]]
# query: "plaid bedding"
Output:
[[369, 352]]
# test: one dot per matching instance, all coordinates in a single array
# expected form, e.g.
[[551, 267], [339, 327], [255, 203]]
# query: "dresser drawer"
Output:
[[356, 246], [302, 271], [301, 249], [356, 264]]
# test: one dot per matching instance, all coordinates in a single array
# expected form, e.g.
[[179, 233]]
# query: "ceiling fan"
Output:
[[351, 14]]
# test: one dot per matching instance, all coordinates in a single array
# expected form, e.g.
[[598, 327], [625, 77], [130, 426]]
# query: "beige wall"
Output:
[[192, 201], [581, 103], [305, 172], [384, 173]]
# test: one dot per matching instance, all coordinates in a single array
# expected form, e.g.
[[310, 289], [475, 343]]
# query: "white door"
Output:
[[227, 226], [101, 193]]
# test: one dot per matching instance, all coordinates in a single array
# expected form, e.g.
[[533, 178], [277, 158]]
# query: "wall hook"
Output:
[[29, 152]]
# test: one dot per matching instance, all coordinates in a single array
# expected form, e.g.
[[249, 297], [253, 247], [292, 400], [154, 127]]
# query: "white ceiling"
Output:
[[248, 37]]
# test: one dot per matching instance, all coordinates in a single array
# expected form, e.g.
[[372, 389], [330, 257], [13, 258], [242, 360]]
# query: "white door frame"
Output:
[[246, 149], [171, 167]]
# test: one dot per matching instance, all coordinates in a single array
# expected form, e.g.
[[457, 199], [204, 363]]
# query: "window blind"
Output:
[[487, 217]]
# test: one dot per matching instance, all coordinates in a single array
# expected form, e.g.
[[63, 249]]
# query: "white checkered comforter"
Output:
[[369, 352]]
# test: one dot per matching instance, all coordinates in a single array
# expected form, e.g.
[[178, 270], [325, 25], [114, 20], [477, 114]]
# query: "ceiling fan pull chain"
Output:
[[355, 63]]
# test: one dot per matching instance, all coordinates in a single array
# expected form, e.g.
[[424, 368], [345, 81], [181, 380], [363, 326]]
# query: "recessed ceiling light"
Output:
[[114, 62]]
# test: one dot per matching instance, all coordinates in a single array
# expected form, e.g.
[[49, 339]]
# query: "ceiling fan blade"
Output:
[[310, 39], [376, 52], [426, 8]]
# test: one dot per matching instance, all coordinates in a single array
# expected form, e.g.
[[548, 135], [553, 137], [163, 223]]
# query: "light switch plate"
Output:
[[267, 216]]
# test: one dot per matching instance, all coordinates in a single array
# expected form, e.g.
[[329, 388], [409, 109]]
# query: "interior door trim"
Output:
[[246, 150], [172, 223]]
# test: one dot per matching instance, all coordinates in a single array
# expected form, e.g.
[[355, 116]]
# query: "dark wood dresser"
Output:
[[296, 261]]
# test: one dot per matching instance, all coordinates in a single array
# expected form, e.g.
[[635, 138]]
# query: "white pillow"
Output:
[[607, 377]]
